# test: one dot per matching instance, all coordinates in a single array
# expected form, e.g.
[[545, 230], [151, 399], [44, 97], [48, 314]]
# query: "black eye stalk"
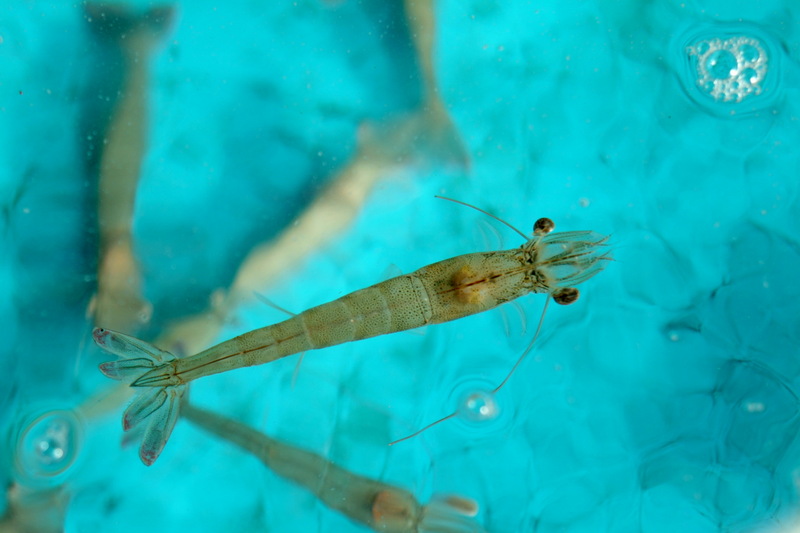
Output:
[[566, 296], [543, 226]]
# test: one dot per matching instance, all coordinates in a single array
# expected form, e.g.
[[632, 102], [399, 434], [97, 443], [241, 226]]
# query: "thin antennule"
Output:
[[527, 350], [502, 384], [272, 304], [417, 432], [484, 212]]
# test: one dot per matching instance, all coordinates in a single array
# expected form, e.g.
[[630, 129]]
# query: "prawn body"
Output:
[[549, 263], [441, 292]]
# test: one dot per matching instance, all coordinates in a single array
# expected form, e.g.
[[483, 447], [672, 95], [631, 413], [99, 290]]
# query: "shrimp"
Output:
[[547, 263], [377, 505]]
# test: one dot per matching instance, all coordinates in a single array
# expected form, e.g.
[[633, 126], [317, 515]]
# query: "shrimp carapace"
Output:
[[548, 263]]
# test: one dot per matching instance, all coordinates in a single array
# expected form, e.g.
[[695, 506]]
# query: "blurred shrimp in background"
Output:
[[119, 297], [117, 152], [379, 506]]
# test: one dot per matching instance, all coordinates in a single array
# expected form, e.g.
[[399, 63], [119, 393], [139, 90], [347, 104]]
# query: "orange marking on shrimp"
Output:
[[391, 510]]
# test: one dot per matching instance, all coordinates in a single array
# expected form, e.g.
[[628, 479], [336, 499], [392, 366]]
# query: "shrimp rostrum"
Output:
[[372, 503], [547, 263]]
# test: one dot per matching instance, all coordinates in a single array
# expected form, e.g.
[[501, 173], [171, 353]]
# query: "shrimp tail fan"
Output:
[[157, 403], [450, 514]]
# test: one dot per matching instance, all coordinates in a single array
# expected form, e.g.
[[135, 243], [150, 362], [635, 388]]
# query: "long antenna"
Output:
[[484, 212], [528, 349], [417, 432], [496, 389]]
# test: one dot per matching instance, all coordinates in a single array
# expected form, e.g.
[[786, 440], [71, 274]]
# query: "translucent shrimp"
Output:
[[548, 263], [377, 505]]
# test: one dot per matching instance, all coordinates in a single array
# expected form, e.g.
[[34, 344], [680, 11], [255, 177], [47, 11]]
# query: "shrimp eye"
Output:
[[566, 296], [543, 226]]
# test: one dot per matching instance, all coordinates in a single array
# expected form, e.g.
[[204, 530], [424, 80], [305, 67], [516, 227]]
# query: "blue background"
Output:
[[664, 399]]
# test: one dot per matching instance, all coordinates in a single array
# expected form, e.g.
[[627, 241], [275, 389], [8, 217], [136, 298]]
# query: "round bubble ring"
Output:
[[47, 447], [732, 69], [479, 411], [729, 69]]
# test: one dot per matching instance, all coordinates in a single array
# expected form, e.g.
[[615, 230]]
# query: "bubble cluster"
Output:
[[48, 446], [730, 70]]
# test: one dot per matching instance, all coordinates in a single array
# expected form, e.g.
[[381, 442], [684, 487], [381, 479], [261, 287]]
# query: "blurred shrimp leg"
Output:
[[422, 137], [377, 505], [32, 510], [440, 133], [119, 300]]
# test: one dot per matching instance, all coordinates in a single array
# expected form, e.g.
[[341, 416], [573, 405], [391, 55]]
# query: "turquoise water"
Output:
[[665, 398]]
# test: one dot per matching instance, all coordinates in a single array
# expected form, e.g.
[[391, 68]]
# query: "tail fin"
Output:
[[160, 404], [450, 514]]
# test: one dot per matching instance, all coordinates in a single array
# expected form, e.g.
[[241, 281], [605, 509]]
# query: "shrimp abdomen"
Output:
[[396, 304]]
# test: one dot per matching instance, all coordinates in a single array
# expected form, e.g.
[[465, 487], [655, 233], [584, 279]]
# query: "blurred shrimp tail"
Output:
[[449, 514], [133, 36], [439, 138], [373, 503], [158, 404]]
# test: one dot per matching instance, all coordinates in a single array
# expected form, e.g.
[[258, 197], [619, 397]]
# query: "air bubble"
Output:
[[730, 70], [480, 413], [750, 75], [721, 64], [47, 447], [479, 406], [735, 67], [749, 52]]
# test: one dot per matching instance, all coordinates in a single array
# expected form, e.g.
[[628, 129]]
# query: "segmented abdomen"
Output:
[[396, 304]]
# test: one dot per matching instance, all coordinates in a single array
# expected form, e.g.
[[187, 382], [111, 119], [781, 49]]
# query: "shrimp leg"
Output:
[[119, 301], [548, 263], [377, 505]]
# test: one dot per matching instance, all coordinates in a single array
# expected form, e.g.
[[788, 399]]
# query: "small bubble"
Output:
[[721, 64], [754, 407], [48, 446], [749, 52], [479, 406], [479, 412], [749, 75]]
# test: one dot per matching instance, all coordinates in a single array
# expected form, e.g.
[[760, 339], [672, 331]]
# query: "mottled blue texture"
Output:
[[665, 399]]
